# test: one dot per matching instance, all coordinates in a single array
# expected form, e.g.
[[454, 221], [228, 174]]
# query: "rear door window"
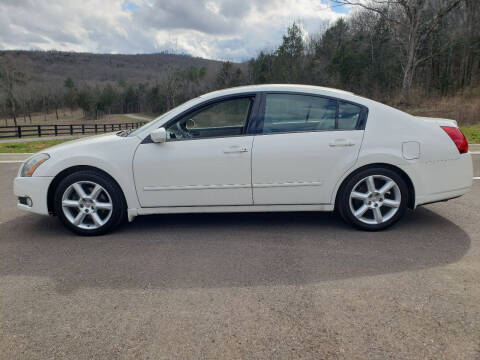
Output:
[[305, 113], [294, 113]]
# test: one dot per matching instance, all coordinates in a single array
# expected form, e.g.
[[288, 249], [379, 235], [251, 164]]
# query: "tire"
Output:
[[89, 203], [373, 206]]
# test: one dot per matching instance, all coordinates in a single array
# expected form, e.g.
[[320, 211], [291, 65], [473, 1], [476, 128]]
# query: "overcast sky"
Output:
[[216, 29]]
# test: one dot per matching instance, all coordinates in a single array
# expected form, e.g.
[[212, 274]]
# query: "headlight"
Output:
[[33, 163]]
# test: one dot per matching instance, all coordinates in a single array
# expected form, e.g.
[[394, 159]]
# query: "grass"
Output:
[[29, 147], [472, 133]]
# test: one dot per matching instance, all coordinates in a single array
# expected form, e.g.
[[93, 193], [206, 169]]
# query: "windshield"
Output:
[[148, 125], [152, 124]]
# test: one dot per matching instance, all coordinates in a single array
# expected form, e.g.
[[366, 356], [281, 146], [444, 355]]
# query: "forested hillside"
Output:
[[51, 68], [409, 53], [388, 50]]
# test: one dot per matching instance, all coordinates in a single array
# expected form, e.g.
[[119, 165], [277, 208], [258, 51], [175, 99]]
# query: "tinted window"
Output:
[[226, 118], [291, 113], [348, 115]]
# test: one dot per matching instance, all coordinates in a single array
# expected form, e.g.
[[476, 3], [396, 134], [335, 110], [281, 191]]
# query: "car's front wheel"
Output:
[[89, 203], [373, 199]]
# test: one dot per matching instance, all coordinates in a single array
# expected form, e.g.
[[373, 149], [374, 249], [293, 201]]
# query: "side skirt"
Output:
[[132, 213]]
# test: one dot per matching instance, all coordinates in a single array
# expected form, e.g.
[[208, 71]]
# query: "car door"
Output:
[[205, 161], [306, 144]]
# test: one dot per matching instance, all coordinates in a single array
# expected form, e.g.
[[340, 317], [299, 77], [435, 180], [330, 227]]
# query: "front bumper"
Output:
[[36, 188]]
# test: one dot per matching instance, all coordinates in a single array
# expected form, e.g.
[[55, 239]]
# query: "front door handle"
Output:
[[341, 142], [235, 149]]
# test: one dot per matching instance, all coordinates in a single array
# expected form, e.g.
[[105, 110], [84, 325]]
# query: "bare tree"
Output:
[[172, 85], [412, 22], [26, 99], [57, 96], [9, 81]]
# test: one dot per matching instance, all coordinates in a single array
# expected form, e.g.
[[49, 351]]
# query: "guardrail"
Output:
[[57, 130]]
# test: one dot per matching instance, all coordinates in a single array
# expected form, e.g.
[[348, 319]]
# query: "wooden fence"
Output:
[[58, 130]]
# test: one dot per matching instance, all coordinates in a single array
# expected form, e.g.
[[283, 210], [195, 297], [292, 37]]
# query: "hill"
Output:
[[45, 69]]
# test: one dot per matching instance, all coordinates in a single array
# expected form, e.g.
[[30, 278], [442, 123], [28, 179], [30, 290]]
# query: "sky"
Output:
[[234, 30]]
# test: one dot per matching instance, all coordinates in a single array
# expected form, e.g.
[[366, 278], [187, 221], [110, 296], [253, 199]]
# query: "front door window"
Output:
[[221, 119]]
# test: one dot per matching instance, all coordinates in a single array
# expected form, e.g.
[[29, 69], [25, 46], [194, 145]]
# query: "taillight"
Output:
[[458, 138]]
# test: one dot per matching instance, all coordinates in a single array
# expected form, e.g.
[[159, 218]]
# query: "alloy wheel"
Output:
[[87, 205], [375, 199]]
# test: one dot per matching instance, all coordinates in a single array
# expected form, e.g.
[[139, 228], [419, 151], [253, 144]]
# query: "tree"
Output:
[[289, 55], [130, 100], [71, 94], [261, 68], [228, 76], [107, 98], [412, 21], [10, 79], [69, 84], [57, 96]]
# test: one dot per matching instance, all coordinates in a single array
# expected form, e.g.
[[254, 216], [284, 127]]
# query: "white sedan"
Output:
[[253, 148]]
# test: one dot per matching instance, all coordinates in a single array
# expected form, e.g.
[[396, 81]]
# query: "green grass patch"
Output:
[[28, 147], [472, 133]]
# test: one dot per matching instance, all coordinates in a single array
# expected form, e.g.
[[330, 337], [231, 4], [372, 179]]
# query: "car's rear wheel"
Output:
[[89, 203], [373, 199]]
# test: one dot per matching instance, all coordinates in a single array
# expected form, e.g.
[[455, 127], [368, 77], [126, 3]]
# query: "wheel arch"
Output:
[[399, 171], [68, 171]]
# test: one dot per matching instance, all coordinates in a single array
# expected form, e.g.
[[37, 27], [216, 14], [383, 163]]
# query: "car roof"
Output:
[[277, 87]]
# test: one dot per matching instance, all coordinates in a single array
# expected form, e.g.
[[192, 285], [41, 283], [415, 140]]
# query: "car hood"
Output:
[[77, 144]]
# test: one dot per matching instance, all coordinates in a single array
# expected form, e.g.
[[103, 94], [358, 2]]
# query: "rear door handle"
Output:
[[235, 149], [341, 142]]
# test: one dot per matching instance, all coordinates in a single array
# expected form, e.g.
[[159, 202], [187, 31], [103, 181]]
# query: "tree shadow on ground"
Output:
[[225, 250]]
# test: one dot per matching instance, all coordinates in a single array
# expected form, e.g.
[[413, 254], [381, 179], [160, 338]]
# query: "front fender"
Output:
[[111, 154]]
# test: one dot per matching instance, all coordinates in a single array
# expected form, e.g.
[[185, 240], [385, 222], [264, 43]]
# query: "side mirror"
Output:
[[190, 124], [159, 135]]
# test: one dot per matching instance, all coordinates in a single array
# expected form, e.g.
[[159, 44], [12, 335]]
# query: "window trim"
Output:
[[257, 129], [251, 117]]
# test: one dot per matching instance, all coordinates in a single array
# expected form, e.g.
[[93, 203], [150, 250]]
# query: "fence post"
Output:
[[39, 130], [104, 128], [112, 127], [71, 129], [19, 131], [96, 129], [83, 129], [56, 130]]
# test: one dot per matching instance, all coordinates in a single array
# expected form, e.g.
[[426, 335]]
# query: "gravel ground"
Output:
[[286, 286]]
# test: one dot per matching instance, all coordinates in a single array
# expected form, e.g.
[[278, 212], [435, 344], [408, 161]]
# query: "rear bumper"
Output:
[[36, 188], [444, 180], [444, 196]]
